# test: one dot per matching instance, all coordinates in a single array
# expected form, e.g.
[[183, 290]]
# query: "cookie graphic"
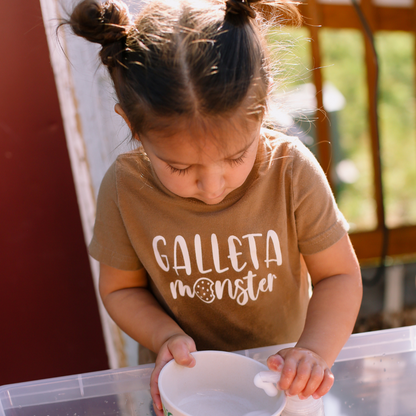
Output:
[[203, 289]]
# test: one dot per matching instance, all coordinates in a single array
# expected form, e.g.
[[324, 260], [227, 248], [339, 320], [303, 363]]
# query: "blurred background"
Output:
[[345, 84]]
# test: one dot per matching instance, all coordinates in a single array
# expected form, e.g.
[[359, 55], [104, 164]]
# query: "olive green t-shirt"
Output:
[[231, 274]]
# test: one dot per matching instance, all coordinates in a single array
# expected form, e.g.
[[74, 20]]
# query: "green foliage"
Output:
[[397, 124]]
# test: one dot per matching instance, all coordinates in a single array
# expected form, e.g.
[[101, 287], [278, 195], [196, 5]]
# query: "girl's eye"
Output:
[[178, 171], [238, 160]]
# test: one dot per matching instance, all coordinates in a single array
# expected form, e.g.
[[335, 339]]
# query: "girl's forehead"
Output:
[[192, 142]]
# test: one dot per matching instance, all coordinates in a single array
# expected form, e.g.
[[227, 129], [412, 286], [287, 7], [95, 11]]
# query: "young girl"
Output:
[[207, 231]]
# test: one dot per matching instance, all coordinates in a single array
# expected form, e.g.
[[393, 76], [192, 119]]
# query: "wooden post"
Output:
[[414, 32], [312, 22], [369, 11], [76, 126]]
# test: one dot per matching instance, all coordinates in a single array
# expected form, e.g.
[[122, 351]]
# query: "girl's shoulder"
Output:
[[129, 169], [290, 156], [133, 163], [278, 144]]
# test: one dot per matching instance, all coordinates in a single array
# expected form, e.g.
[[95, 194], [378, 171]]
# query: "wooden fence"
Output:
[[393, 15]]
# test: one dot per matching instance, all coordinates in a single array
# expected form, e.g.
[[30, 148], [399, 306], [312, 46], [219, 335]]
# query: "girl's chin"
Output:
[[208, 201], [213, 201]]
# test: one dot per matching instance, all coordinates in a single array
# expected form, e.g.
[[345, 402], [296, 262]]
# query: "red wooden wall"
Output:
[[49, 321]]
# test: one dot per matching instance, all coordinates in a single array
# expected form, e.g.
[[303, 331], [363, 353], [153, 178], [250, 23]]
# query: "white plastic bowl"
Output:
[[220, 384]]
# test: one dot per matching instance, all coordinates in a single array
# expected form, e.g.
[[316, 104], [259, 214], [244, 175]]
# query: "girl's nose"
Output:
[[211, 182]]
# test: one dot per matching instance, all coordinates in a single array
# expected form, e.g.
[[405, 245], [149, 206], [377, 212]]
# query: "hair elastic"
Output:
[[240, 7], [116, 35]]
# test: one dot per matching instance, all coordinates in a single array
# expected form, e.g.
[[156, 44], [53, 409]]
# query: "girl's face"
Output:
[[192, 164]]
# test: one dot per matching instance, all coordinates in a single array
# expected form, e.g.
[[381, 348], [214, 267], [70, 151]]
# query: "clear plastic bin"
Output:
[[375, 374]]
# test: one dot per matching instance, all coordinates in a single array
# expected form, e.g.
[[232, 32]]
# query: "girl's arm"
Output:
[[136, 311], [330, 319]]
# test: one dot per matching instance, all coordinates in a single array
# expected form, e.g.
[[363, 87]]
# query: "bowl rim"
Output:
[[214, 352]]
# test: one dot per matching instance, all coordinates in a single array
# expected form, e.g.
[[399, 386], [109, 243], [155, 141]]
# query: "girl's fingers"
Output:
[[162, 359], [154, 389], [300, 381], [275, 362], [315, 380], [181, 352], [288, 374], [178, 348], [325, 386], [159, 412], [304, 373]]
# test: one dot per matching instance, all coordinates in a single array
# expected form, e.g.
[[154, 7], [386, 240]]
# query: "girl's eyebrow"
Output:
[[173, 162], [242, 150]]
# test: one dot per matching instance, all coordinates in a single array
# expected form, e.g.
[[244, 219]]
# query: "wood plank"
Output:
[[322, 122], [334, 16], [367, 245], [342, 16], [391, 18]]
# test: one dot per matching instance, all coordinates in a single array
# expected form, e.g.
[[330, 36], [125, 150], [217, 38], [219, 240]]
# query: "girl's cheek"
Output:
[[176, 183]]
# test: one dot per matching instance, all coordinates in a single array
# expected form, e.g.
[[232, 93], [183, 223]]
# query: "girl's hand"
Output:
[[304, 373], [179, 348]]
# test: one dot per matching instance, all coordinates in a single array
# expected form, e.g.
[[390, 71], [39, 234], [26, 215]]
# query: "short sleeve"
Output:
[[319, 222], [110, 243]]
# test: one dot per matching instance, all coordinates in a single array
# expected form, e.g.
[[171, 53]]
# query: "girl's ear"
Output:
[[120, 112]]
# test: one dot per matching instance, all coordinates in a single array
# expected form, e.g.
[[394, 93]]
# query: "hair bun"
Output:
[[239, 7], [104, 23], [100, 23]]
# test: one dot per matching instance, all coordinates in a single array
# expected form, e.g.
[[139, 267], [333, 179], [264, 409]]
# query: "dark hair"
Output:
[[189, 58]]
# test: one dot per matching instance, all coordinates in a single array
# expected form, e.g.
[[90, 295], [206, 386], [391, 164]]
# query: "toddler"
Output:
[[206, 233]]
